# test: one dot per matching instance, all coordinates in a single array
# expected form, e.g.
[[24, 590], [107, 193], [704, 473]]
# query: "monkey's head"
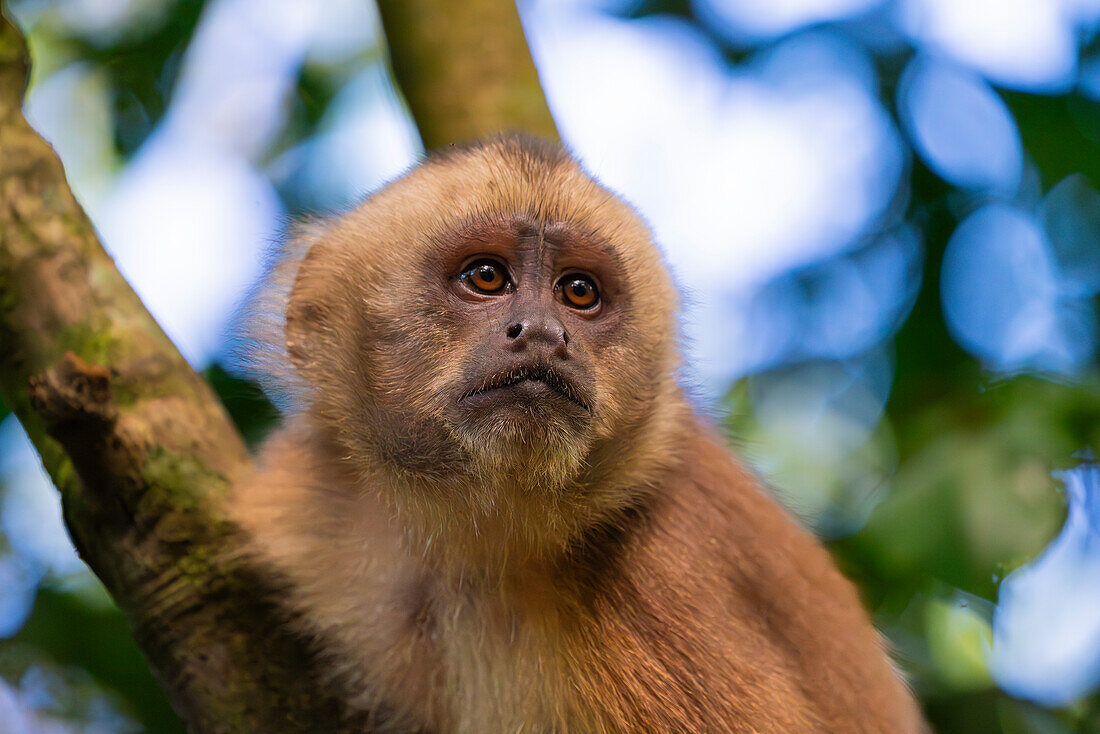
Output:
[[495, 310]]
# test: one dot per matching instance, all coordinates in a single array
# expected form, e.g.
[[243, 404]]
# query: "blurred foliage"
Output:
[[141, 63], [973, 496], [144, 69], [68, 632], [252, 413]]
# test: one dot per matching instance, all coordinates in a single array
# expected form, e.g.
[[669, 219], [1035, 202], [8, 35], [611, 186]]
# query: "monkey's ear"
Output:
[[309, 310]]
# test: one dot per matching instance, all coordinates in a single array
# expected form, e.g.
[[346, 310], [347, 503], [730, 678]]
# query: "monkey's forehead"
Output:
[[500, 185]]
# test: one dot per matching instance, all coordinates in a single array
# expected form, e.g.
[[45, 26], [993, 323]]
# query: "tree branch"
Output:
[[139, 446], [464, 69]]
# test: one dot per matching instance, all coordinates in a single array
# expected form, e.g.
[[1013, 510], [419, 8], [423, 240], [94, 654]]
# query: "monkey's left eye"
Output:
[[486, 276], [579, 291]]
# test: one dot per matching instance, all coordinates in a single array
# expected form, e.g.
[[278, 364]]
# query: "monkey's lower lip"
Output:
[[531, 383], [527, 391]]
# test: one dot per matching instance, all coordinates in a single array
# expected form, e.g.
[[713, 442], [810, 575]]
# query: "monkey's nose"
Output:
[[538, 332]]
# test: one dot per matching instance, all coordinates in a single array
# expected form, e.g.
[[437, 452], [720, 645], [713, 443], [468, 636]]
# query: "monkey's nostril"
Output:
[[514, 331]]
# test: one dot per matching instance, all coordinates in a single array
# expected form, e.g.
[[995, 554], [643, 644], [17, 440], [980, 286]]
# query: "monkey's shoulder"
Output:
[[726, 603]]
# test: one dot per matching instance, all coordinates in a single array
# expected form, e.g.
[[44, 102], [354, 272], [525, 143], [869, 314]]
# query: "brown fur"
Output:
[[538, 568]]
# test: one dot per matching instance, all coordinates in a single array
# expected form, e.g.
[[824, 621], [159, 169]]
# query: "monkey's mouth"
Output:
[[542, 374]]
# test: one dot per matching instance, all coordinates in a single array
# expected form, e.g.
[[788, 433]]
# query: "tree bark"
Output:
[[464, 69], [138, 445]]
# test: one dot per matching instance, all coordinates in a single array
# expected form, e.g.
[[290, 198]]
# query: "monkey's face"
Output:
[[527, 311], [496, 308]]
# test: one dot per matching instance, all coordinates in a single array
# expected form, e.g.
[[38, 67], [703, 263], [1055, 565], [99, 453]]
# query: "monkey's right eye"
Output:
[[486, 276]]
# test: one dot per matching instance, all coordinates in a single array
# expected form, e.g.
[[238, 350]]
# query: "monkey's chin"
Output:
[[527, 430]]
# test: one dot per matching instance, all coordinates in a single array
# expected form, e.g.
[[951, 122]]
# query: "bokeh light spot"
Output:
[[1001, 300], [1071, 217], [746, 21], [1046, 628], [1022, 44], [960, 127]]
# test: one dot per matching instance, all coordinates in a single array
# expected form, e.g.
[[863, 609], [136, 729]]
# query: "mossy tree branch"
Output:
[[137, 443]]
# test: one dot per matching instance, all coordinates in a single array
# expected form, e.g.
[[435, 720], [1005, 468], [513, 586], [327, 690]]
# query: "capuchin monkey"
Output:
[[492, 504]]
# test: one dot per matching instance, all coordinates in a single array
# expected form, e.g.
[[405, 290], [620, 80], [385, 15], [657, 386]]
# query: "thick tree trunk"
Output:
[[136, 442]]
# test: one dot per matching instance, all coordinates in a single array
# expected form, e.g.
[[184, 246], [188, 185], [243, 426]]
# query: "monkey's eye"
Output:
[[486, 276], [578, 291]]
